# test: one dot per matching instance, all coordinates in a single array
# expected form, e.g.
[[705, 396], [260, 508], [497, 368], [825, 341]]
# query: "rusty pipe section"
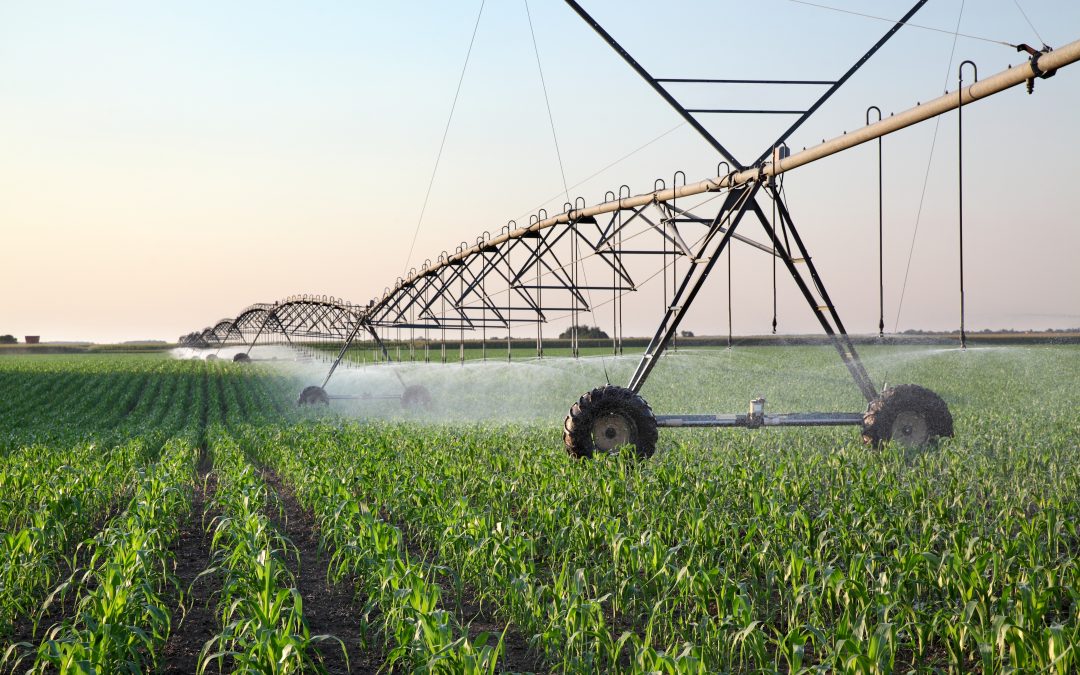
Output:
[[1045, 63]]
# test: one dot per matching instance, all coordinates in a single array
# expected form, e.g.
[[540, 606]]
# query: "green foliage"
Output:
[[403, 604], [123, 615], [263, 628], [584, 333], [771, 551], [52, 501], [729, 551]]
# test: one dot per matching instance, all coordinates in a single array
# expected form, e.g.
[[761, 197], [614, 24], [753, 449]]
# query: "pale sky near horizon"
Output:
[[163, 165]]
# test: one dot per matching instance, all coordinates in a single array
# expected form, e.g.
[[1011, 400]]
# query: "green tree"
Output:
[[8, 340], [584, 333]]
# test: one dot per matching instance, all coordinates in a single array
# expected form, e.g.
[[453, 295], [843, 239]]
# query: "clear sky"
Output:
[[163, 165]]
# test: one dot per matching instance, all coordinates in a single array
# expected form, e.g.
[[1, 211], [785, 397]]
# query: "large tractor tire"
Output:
[[416, 397], [241, 357], [313, 395], [608, 418], [907, 414]]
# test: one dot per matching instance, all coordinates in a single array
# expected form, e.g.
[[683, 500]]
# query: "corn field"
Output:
[[171, 516]]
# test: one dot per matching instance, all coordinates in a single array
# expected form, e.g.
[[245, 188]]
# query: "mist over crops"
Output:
[[695, 380]]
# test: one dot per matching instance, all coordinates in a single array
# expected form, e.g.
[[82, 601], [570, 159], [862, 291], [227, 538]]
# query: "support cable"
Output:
[[547, 102], [926, 177], [562, 173], [596, 173], [954, 33], [442, 144], [566, 189], [1031, 25]]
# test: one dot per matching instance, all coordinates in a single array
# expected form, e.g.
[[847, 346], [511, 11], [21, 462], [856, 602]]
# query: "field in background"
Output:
[[463, 539], [434, 350]]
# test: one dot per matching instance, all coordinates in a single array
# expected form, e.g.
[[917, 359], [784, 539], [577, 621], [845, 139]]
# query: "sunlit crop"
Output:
[[728, 551]]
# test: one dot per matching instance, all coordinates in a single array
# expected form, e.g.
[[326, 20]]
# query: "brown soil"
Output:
[[329, 609], [193, 628]]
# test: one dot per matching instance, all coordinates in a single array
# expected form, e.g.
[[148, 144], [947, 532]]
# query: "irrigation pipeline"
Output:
[[1039, 66]]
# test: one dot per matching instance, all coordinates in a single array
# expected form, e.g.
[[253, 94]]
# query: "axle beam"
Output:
[[749, 421]]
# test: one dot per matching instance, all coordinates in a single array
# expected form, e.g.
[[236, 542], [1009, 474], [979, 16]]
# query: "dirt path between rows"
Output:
[[192, 630], [516, 656], [328, 608]]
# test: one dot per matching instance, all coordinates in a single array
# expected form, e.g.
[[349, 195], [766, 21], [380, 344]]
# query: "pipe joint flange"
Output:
[[1034, 62], [760, 178], [1039, 72]]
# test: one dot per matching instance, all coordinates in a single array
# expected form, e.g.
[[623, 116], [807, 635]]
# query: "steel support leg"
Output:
[[735, 206], [258, 334], [831, 323], [379, 342], [344, 348]]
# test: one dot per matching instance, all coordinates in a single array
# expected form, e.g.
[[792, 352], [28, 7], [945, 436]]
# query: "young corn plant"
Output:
[[122, 617], [400, 592], [262, 623], [65, 507]]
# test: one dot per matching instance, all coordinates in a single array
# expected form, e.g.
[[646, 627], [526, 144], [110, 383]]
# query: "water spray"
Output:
[[530, 275]]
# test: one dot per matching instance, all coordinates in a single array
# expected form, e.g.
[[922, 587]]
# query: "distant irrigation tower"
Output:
[[584, 260]]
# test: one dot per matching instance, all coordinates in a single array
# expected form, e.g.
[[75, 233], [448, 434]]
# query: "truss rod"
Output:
[[654, 83], [1037, 67], [844, 78]]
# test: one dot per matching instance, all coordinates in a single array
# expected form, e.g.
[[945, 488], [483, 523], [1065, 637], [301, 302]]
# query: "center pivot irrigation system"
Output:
[[582, 261]]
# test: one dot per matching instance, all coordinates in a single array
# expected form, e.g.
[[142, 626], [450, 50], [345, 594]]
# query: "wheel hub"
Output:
[[910, 429], [312, 395], [611, 431]]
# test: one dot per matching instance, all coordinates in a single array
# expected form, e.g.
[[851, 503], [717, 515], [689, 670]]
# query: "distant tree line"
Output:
[[585, 333], [8, 340]]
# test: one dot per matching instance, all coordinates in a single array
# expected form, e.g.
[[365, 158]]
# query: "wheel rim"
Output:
[[910, 429], [611, 431]]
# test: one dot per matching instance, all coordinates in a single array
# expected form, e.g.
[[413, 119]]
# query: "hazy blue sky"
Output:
[[165, 164]]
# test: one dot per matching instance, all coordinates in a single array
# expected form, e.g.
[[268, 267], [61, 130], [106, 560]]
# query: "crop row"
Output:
[[696, 562], [73, 434], [61, 401], [54, 505], [403, 604], [262, 627], [123, 614]]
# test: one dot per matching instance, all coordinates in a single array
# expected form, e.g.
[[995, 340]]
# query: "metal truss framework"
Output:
[[588, 257], [312, 317]]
